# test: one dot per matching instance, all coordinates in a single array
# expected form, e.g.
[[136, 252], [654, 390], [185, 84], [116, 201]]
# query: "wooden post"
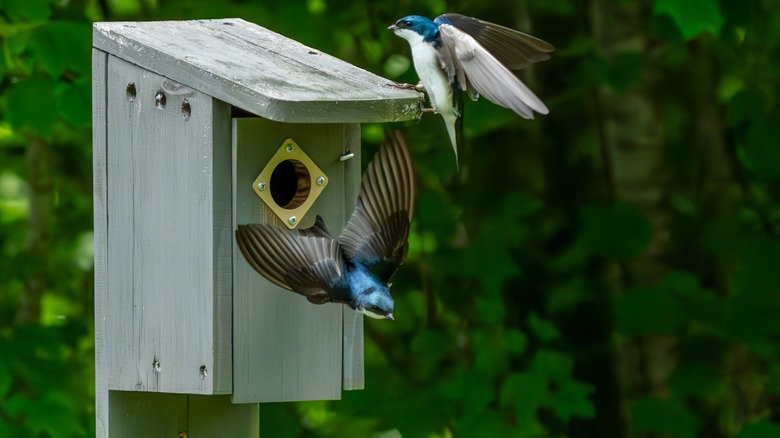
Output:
[[185, 116]]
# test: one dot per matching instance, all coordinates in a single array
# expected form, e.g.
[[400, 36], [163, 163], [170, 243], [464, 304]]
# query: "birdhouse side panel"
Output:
[[354, 370], [100, 194], [169, 235]]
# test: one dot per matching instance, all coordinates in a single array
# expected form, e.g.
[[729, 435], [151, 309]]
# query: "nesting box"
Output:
[[200, 126]]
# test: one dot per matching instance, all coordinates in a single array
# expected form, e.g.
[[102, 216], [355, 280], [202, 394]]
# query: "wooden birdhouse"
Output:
[[200, 126]]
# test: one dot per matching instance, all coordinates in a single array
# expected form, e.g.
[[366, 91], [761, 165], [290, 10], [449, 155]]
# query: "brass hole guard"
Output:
[[290, 183]]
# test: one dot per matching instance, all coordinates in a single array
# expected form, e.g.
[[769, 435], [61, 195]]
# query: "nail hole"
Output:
[[186, 111], [160, 100], [131, 91], [290, 184], [203, 372], [156, 367]]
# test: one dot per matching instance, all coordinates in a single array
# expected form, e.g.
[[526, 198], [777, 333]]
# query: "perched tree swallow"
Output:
[[456, 53], [356, 268]]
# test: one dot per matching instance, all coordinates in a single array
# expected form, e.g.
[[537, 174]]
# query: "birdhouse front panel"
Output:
[[286, 348], [169, 235]]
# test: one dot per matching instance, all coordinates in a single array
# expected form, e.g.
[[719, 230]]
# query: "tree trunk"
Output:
[[37, 245]]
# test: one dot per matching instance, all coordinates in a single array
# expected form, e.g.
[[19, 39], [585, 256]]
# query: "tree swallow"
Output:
[[356, 268], [456, 53]]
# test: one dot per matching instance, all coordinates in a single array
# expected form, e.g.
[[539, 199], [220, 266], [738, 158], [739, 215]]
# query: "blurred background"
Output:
[[609, 270]]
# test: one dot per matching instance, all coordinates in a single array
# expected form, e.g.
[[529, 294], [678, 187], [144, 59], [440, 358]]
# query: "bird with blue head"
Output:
[[356, 267], [454, 53]]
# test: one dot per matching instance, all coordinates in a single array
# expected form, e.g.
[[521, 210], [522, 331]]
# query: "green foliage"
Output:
[[542, 275]]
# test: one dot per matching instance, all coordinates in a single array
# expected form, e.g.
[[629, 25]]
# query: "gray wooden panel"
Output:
[[216, 416], [258, 70], [99, 193], [170, 231], [285, 348], [353, 320], [148, 415]]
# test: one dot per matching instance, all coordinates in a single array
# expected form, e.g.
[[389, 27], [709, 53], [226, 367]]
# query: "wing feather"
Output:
[[514, 49], [488, 75], [298, 261], [376, 234]]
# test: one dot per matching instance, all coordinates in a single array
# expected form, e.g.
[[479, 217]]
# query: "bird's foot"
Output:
[[403, 86]]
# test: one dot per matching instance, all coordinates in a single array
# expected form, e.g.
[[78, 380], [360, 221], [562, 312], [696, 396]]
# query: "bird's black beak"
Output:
[[390, 317], [392, 27]]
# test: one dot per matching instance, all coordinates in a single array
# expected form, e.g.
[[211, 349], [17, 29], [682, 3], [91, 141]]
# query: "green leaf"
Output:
[[543, 329], [527, 392], [760, 429], [743, 107], [486, 424], [480, 390], [618, 231], [555, 365], [62, 45], [491, 309], [694, 379], [571, 400], [515, 341], [489, 358], [5, 380], [692, 17], [762, 152], [644, 310], [28, 10], [650, 414], [31, 105], [432, 346]]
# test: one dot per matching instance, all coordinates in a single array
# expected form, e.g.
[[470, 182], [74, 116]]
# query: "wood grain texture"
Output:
[[148, 415], [144, 414], [99, 196], [169, 250], [286, 348], [258, 70], [353, 373], [216, 416]]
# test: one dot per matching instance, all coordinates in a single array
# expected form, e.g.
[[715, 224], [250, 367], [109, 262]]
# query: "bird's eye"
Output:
[[407, 23]]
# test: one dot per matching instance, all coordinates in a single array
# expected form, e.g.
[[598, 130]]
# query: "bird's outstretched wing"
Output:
[[306, 262], [478, 68], [515, 49], [376, 234]]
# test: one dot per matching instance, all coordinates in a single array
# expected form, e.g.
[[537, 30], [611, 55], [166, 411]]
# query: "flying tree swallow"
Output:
[[455, 53], [355, 269]]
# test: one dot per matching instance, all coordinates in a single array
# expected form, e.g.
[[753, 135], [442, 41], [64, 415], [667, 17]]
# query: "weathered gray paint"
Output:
[[353, 374], [170, 238], [99, 188], [259, 71], [148, 415], [290, 348]]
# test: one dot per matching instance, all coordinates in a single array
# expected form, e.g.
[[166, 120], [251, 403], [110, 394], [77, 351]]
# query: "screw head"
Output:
[[288, 148], [262, 186], [292, 220], [320, 180]]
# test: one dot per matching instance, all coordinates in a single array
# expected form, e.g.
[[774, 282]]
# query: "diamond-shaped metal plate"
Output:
[[308, 184]]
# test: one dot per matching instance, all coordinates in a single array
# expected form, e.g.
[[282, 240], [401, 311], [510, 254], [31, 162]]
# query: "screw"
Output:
[[261, 186], [320, 180], [292, 220], [289, 148]]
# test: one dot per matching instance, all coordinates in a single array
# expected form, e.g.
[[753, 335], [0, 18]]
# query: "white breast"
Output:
[[428, 67]]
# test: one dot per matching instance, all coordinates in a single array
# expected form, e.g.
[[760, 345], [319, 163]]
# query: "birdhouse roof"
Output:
[[257, 70]]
